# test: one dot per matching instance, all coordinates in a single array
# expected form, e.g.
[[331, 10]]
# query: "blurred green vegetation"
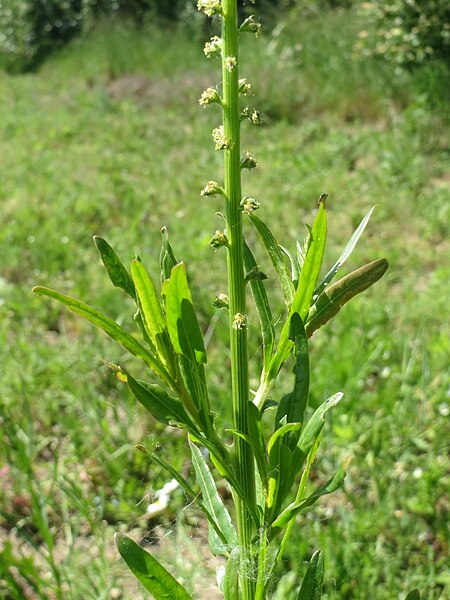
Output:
[[107, 138]]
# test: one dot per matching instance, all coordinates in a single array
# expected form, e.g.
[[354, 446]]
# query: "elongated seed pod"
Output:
[[331, 300]]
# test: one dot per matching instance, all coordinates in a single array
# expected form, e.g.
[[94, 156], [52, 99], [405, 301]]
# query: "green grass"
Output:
[[107, 138]]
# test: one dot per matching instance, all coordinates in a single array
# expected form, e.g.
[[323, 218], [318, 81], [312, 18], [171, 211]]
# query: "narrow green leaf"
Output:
[[311, 431], [413, 595], [276, 256], [336, 295], [117, 273], [345, 253], [303, 295], [256, 435], [149, 305], [295, 265], [262, 308], [292, 406], [182, 323], [314, 426], [187, 488], [260, 456], [312, 264], [110, 327], [280, 433], [214, 505], [279, 469], [161, 405], [151, 574], [230, 585], [167, 258], [295, 508], [311, 588]]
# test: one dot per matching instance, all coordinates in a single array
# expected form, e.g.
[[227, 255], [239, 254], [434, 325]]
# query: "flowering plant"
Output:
[[274, 440]]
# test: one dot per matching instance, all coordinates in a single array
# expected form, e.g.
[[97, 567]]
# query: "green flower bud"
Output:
[[249, 204], [255, 275], [213, 47], [230, 63], [240, 321], [209, 96], [218, 240], [252, 25], [221, 301], [210, 7], [220, 141], [245, 87], [212, 188], [248, 161], [253, 115]]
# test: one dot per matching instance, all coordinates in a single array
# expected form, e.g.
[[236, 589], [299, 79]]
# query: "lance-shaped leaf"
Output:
[[280, 468], [187, 488], [182, 322], [161, 405], [230, 584], [295, 508], [303, 295], [255, 438], [312, 264], [167, 258], [311, 431], [293, 405], [151, 574], [262, 308], [336, 295], [276, 256], [311, 588], [345, 253], [110, 327], [214, 505], [150, 306], [117, 273], [314, 425], [295, 265]]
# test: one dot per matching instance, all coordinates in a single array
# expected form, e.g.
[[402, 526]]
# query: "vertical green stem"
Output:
[[236, 287]]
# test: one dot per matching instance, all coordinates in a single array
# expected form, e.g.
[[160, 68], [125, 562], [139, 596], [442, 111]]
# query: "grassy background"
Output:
[[107, 138]]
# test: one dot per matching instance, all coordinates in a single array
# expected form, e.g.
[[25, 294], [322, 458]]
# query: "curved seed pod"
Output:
[[331, 300]]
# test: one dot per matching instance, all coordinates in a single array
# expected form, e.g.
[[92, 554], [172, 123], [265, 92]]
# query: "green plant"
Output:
[[407, 33], [275, 440]]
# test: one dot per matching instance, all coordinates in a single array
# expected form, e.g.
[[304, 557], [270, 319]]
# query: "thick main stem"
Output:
[[236, 288]]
